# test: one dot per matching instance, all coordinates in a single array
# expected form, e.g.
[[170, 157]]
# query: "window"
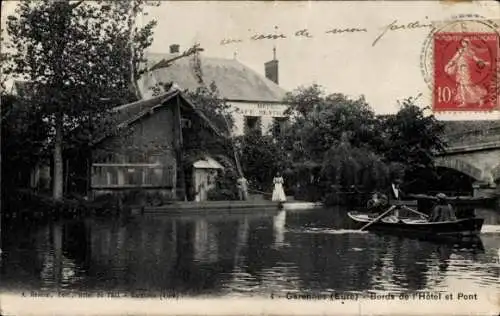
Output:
[[112, 176], [279, 125], [253, 124], [131, 175], [186, 123]]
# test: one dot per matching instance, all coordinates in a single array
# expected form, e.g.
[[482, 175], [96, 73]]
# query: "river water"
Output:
[[254, 254]]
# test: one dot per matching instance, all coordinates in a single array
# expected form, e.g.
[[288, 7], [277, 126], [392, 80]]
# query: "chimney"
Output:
[[271, 68], [174, 49]]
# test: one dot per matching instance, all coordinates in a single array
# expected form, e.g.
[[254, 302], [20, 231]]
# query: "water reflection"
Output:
[[205, 242], [279, 222], [239, 255]]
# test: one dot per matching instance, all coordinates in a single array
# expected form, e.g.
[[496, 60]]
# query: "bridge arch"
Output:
[[460, 165]]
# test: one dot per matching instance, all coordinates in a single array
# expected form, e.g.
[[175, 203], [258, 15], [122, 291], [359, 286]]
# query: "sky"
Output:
[[346, 62]]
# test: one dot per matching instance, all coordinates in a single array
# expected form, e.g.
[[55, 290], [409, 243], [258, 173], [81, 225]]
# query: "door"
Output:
[[200, 184]]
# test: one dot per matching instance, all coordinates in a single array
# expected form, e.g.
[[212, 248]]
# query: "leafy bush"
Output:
[[225, 188], [262, 158]]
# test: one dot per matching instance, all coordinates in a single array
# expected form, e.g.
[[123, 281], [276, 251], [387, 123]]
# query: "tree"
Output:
[[199, 141], [348, 166], [303, 100], [337, 141], [216, 109], [322, 122], [122, 18], [412, 140], [23, 138], [82, 58], [262, 158]]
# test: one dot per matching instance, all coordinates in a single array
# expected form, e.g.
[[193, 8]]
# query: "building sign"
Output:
[[260, 109], [252, 112]]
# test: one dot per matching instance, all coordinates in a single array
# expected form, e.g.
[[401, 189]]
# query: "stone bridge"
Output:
[[475, 153]]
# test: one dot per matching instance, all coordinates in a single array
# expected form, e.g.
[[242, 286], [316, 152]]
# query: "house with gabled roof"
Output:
[[256, 100]]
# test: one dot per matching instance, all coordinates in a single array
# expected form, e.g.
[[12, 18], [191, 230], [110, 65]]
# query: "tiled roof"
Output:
[[129, 113], [234, 80]]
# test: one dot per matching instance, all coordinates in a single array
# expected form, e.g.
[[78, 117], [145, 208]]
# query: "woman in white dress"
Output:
[[278, 192]]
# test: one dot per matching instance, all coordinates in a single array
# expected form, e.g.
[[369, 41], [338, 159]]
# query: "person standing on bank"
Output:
[[278, 192], [242, 184]]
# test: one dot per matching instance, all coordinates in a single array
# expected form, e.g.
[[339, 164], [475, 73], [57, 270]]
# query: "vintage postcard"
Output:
[[250, 157]]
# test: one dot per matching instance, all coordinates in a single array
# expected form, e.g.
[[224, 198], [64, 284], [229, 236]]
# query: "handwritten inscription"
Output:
[[305, 33], [227, 41], [152, 3], [267, 36], [347, 30], [394, 26]]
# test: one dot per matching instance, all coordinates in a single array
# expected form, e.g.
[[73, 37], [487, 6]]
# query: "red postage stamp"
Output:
[[465, 71]]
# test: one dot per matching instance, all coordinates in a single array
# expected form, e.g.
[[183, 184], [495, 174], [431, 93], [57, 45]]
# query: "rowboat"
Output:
[[461, 228]]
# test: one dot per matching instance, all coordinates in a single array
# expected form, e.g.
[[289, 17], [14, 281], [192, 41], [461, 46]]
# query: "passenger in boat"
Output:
[[372, 203], [377, 203], [443, 211]]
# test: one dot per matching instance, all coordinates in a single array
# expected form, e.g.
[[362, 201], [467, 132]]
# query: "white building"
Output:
[[253, 98]]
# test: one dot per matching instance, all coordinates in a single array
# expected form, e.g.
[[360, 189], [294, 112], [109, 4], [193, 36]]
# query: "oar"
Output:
[[415, 211], [379, 217]]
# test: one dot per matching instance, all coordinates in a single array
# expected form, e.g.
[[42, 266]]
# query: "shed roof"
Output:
[[207, 163], [234, 80], [129, 113]]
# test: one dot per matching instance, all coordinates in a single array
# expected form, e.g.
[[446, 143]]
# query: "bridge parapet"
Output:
[[473, 137]]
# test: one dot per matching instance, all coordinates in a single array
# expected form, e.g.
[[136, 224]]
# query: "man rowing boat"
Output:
[[443, 211]]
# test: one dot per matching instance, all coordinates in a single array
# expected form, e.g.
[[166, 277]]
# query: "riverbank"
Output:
[[26, 205], [229, 207]]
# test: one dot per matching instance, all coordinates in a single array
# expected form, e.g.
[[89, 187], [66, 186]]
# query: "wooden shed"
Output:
[[144, 152]]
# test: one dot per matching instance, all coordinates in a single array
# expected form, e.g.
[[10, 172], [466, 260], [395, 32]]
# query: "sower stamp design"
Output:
[[465, 71], [461, 65]]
